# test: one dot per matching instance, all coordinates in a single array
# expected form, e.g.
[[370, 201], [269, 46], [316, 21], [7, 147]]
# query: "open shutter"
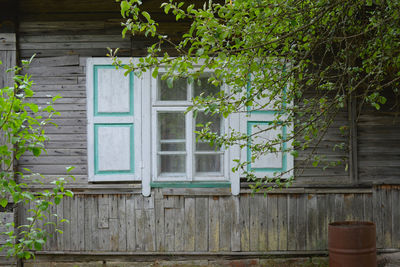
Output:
[[113, 122], [259, 120]]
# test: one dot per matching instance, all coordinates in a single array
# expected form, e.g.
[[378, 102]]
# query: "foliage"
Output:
[[22, 131], [308, 58]]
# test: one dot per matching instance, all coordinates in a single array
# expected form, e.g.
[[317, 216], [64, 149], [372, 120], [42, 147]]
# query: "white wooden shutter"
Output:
[[114, 132], [255, 120]]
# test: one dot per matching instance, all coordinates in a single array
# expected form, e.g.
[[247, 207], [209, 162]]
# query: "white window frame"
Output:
[[181, 106]]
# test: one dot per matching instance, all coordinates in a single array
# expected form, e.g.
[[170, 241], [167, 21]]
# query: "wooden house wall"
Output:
[[117, 218], [61, 49]]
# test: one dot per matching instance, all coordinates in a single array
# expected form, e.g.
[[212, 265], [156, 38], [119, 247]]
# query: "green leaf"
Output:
[[36, 151], [69, 193], [69, 168], [3, 202]]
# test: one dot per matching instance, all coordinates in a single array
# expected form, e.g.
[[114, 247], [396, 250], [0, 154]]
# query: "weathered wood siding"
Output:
[[379, 142], [173, 223]]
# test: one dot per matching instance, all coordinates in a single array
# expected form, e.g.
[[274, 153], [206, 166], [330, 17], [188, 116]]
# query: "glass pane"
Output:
[[173, 146], [215, 126], [208, 163], [171, 125], [204, 87], [177, 92], [173, 163]]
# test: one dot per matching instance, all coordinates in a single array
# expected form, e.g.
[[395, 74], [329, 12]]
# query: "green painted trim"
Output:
[[95, 92], [190, 184], [96, 154], [284, 156]]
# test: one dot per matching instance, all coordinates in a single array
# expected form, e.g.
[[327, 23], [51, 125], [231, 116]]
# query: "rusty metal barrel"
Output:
[[352, 244]]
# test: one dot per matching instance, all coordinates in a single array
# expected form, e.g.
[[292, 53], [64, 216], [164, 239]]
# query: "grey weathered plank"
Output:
[[283, 222], [122, 223], [273, 230], [179, 214], [255, 203], [201, 224], [225, 228], [74, 224], [244, 217], [301, 241], [113, 232], [71, 60], [66, 237], [130, 224], [395, 217], [339, 207], [81, 220], [159, 222], [387, 217], [368, 207], [236, 230], [312, 222], [214, 223], [292, 223], [189, 224], [263, 218], [378, 215], [103, 223], [150, 232], [322, 222], [169, 226], [140, 223]]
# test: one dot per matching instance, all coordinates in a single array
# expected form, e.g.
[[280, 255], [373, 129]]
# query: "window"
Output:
[[138, 130], [176, 155]]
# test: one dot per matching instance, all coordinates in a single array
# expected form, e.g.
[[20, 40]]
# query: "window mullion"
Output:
[[189, 146]]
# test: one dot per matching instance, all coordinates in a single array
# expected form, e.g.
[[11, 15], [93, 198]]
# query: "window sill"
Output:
[[190, 184]]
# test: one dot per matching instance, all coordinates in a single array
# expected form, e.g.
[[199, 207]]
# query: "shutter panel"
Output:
[[257, 120], [113, 122]]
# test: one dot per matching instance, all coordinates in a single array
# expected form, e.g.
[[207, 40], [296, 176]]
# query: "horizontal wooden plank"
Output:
[[64, 100], [58, 87], [94, 52], [72, 60], [45, 70], [76, 38], [53, 169], [65, 152], [64, 94], [66, 137], [7, 42], [76, 45], [45, 159]]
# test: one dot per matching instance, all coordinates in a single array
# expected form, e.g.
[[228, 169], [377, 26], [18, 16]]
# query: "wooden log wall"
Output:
[[248, 223], [188, 220], [379, 142]]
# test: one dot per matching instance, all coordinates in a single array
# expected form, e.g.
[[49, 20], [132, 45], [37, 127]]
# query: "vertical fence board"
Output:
[[189, 224], [225, 224], [214, 223], [273, 234], [312, 221], [201, 224], [122, 230], [179, 223], [292, 222], [235, 234], [130, 223], [254, 221], [283, 222], [244, 217], [159, 216], [169, 229]]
